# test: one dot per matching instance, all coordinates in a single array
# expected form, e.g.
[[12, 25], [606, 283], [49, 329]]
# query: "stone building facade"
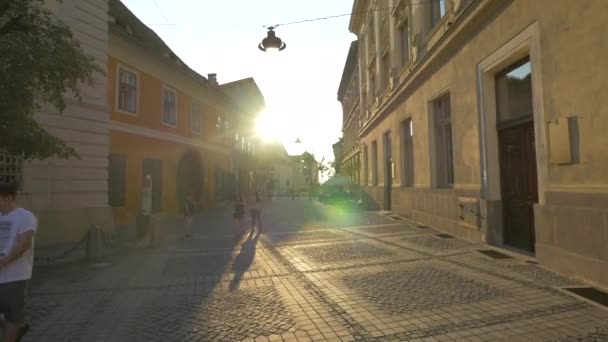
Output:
[[69, 195], [348, 95], [485, 119]]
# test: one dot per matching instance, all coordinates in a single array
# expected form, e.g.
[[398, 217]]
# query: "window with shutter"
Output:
[[116, 180]]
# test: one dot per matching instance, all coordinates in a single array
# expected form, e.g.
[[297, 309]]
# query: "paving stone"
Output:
[[437, 244], [422, 288], [541, 276], [344, 252], [312, 277], [225, 315], [390, 230], [307, 236]]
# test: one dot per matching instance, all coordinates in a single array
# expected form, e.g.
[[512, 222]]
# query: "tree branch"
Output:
[[14, 25]]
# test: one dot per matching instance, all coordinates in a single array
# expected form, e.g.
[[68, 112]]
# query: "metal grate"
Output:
[[444, 236], [10, 168], [494, 254], [591, 294]]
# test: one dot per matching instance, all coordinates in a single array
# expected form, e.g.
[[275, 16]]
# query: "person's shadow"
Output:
[[243, 260]]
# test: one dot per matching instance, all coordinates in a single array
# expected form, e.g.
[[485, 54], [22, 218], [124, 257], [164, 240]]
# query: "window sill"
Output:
[[126, 112], [169, 125]]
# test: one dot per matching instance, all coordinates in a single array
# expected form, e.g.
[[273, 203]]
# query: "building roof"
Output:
[[273, 150], [126, 24], [236, 89], [349, 66]]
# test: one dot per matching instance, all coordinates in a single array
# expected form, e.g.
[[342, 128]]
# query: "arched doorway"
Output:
[[189, 177]]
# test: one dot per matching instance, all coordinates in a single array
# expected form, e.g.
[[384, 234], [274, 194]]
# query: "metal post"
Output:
[[93, 243]]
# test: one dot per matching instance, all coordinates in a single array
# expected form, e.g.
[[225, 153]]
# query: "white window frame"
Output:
[[168, 89], [117, 104], [11, 168], [196, 114]]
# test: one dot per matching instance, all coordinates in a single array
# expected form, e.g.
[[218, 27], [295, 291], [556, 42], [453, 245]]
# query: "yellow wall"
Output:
[[137, 148], [170, 143]]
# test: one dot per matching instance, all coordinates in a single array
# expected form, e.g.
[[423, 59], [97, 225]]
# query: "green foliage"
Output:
[[40, 62]]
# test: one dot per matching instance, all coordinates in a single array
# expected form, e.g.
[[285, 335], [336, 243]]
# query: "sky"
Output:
[[299, 84]]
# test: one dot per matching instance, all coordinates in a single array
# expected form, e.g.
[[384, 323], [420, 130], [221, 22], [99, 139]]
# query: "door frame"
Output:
[[526, 43]]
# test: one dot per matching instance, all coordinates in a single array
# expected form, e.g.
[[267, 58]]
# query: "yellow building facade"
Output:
[[166, 121]]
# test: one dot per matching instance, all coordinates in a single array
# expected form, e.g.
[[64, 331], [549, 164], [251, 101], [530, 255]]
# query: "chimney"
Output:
[[212, 79]]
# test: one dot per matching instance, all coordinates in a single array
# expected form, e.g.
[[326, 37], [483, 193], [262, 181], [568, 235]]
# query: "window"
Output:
[[195, 118], [444, 162], [116, 180], [169, 107], [372, 87], [10, 168], [371, 35], [404, 44], [407, 132], [127, 91], [438, 11], [514, 92], [375, 163], [386, 67]]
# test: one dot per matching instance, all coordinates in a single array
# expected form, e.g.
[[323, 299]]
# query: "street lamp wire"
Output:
[[421, 2], [161, 12]]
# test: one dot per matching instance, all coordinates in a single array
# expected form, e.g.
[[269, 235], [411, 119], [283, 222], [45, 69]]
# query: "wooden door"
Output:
[[519, 184]]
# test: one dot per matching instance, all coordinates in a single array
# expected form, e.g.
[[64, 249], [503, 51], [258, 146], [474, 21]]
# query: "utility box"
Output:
[[564, 141], [469, 212]]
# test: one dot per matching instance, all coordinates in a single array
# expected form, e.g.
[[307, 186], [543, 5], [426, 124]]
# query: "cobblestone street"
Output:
[[314, 274]]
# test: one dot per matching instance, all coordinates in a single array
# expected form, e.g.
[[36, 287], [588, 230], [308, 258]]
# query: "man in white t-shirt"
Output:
[[17, 229]]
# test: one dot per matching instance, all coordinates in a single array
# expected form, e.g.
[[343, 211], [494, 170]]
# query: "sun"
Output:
[[269, 126]]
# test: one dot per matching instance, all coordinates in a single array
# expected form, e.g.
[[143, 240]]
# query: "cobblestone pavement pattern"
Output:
[[315, 274]]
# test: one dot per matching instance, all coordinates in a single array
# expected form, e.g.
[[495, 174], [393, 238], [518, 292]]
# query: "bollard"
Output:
[[94, 243], [153, 231]]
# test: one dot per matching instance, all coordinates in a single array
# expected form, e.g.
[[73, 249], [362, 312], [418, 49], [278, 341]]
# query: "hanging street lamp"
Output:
[[298, 141], [272, 43]]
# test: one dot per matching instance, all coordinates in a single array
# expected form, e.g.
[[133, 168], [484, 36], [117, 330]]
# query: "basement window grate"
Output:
[[590, 293], [494, 254], [444, 236]]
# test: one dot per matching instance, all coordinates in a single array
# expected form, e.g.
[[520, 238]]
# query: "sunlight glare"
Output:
[[268, 127]]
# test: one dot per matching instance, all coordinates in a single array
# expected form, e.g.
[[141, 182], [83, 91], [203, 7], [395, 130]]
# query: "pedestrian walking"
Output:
[[17, 229], [188, 214], [143, 219], [256, 214], [239, 217]]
